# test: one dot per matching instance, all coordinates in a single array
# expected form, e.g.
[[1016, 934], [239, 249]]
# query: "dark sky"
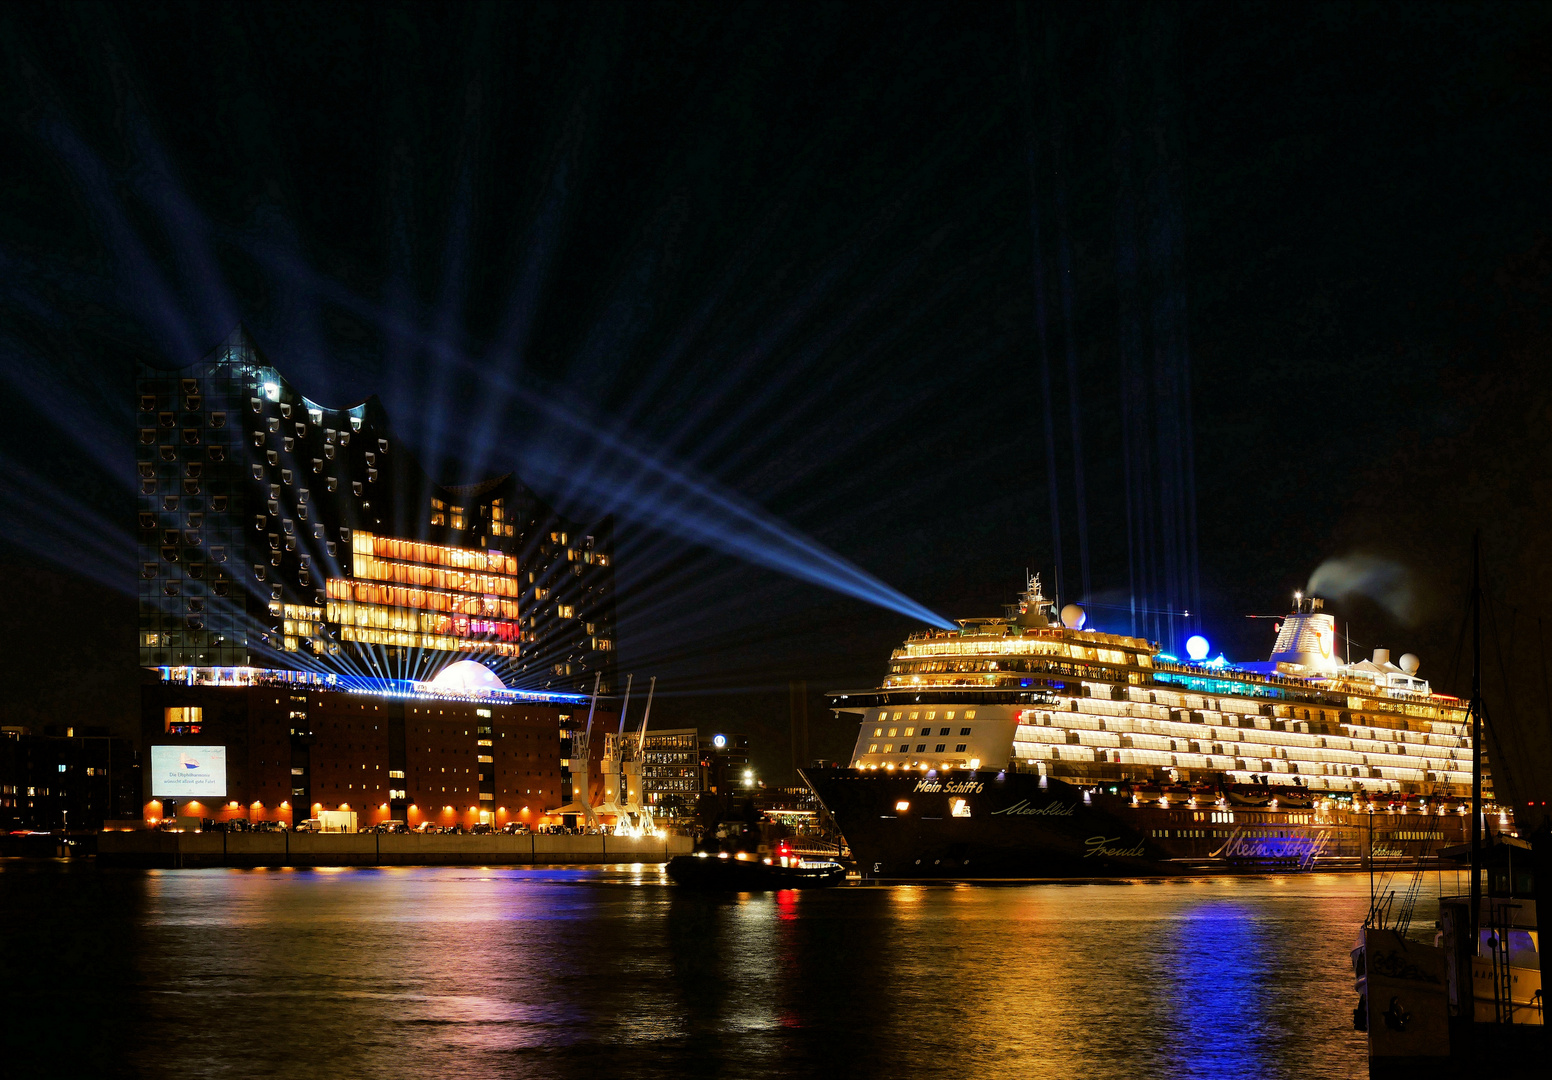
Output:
[[761, 280]]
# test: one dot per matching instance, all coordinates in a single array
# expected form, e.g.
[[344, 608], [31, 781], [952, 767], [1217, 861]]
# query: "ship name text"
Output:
[[1100, 845], [1051, 809], [962, 787], [1303, 850]]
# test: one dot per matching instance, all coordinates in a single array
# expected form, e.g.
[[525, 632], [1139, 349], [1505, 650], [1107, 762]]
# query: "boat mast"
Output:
[[1478, 819]]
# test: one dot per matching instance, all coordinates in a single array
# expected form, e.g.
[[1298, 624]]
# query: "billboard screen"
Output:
[[187, 772]]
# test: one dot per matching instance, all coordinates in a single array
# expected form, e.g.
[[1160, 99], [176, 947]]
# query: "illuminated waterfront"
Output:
[[480, 972]]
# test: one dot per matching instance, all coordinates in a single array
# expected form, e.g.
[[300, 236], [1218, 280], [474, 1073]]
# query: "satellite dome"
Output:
[[1073, 617], [1197, 647], [1409, 663], [466, 676]]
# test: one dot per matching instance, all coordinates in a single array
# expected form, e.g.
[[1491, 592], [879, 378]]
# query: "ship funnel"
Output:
[[1381, 657], [1307, 638]]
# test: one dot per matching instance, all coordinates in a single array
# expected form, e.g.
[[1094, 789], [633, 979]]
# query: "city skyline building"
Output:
[[277, 532], [325, 629]]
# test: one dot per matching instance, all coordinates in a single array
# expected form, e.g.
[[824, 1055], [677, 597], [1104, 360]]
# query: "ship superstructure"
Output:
[[1038, 693], [1027, 746]]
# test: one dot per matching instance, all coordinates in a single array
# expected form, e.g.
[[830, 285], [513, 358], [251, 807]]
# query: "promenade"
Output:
[[145, 848]]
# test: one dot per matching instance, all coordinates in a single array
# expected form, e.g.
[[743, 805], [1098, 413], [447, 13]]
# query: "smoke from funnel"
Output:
[[1385, 582]]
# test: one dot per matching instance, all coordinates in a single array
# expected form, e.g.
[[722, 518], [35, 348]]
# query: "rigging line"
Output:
[[1030, 151]]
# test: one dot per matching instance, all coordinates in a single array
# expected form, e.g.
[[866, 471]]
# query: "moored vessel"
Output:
[[1027, 747]]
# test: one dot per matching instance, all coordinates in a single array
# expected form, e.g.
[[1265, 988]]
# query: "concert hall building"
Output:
[[329, 629]]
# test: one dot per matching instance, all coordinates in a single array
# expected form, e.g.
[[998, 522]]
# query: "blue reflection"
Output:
[[1214, 959]]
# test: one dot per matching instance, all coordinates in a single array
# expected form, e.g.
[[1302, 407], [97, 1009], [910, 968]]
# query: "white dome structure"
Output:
[[1073, 617], [467, 676]]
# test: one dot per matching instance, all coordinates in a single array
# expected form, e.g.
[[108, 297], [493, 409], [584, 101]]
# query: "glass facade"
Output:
[[277, 532]]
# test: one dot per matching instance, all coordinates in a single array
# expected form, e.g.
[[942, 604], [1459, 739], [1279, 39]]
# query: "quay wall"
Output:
[[147, 848]]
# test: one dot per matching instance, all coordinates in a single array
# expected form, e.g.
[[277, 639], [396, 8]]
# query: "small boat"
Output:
[[743, 871]]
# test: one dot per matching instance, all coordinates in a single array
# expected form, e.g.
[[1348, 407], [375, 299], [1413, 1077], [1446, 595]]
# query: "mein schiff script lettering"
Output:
[[963, 787]]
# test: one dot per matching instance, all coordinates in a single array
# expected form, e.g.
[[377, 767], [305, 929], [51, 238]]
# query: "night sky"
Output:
[[817, 298]]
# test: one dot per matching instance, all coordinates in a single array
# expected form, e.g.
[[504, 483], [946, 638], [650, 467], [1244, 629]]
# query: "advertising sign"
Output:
[[188, 772]]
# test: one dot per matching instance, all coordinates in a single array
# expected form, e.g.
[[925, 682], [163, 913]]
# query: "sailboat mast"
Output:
[[1478, 819]]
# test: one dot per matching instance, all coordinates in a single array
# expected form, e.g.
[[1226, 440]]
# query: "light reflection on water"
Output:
[[454, 972]]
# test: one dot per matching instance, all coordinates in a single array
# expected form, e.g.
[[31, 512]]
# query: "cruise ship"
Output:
[[1027, 747]]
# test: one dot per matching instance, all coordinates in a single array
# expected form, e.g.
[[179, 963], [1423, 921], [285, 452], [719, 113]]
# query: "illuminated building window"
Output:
[[873, 748], [183, 720], [908, 732], [565, 611], [877, 732], [969, 714], [892, 732]]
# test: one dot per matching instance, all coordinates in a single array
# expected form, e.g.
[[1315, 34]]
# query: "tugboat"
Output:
[[744, 871]]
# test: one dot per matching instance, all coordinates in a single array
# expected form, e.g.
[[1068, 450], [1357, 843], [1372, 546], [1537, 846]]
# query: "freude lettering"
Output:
[[1101, 845]]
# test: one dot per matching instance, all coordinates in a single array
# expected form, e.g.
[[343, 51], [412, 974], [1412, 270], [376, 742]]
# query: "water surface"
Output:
[[602, 973]]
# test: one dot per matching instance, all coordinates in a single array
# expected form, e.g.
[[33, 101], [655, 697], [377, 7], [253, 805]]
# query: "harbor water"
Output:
[[526, 972]]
